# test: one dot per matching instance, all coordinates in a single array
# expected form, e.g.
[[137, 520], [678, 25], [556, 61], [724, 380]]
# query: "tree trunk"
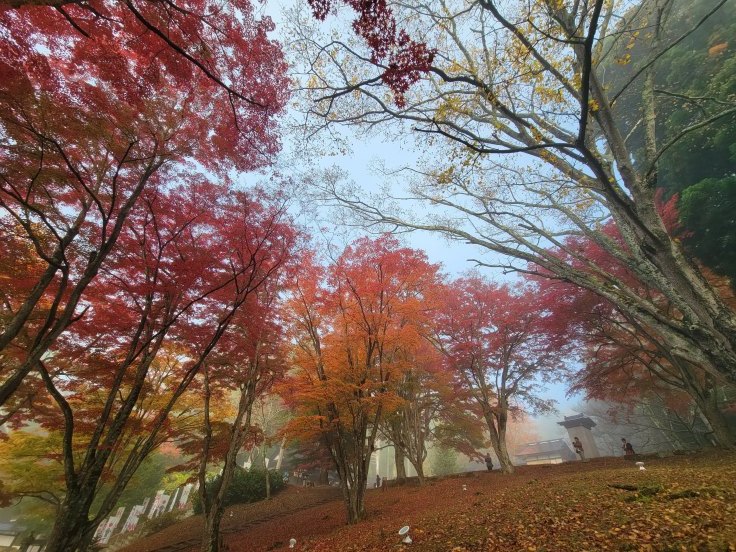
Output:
[[266, 473], [356, 503], [720, 432], [503, 457], [280, 457], [352, 481], [324, 476], [704, 393], [211, 537], [72, 531], [498, 442], [400, 466], [419, 466]]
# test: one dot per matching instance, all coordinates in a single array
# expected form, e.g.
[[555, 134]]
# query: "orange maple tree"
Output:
[[352, 329]]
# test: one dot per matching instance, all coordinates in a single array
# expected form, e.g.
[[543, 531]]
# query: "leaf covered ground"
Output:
[[678, 503]]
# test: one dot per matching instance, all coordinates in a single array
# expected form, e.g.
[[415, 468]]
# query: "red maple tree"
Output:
[[95, 107], [502, 346], [403, 58], [187, 261]]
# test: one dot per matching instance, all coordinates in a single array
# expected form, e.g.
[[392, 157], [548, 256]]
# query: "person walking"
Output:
[[378, 481], [578, 446], [489, 462], [627, 447]]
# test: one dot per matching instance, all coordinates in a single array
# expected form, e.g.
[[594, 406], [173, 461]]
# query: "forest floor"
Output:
[[679, 503]]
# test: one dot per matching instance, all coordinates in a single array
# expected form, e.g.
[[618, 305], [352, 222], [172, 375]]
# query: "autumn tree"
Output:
[[350, 329], [523, 144], [185, 265], [249, 362], [94, 109], [626, 362], [187, 35], [432, 409], [621, 356], [33, 473], [502, 346], [33, 470]]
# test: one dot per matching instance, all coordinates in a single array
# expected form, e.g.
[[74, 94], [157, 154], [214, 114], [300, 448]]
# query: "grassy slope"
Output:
[[681, 503]]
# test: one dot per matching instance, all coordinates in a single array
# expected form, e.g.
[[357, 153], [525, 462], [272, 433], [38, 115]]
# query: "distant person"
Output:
[[489, 462], [578, 446], [378, 481], [627, 447]]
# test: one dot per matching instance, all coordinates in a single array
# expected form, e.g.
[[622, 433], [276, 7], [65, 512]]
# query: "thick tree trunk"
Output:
[[704, 393], [353, 492], [353, 478], [503, 457], [706, 334], [419, 467], [352, 457], [356, 503], [72, 532], [418, 464], [400, 466]]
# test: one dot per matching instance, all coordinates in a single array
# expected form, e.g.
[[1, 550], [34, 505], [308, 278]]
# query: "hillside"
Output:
[[678, 503]]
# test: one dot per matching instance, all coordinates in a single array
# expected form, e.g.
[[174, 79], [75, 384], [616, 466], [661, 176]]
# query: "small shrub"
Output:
[[695, 493], [163, 521], [645, 493], [245, 486]]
